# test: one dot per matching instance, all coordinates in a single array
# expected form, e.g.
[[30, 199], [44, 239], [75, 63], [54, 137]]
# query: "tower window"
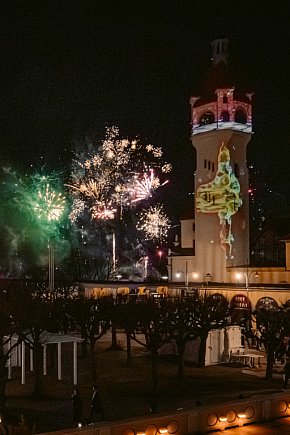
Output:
[[240, 117], [208, 165], [205, 163], [206, 118], [225, 99], [225, 117], [212, 167]]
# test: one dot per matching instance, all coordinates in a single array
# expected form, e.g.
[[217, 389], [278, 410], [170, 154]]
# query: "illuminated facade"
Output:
[[221, 130]]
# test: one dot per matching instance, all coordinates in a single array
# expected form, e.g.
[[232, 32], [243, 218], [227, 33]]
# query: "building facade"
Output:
[[217, 231]]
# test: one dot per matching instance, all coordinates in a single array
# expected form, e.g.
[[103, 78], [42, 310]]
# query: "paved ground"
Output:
[[126, 391]]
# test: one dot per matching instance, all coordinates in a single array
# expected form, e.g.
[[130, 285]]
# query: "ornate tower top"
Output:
[[219, 105]]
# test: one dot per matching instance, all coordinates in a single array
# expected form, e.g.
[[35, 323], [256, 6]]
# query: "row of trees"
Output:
[[29, 309]]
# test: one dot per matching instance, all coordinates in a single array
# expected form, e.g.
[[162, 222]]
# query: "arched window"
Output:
[[240, 302], [240, 117], [206, 118], [267, 303], [217, 297], [225, 117]]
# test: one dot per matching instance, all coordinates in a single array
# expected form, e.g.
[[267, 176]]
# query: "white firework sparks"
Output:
[[78, 207], [103, 212], [117, 175], [144, 187], [166, 168], [154, 223], [157, 152]]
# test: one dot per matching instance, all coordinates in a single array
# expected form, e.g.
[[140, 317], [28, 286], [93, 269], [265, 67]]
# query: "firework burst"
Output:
[[119, 174], [154, 223], [47, 203]]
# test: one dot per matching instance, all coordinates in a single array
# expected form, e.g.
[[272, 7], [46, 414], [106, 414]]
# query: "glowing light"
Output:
[[154, 223], [117, 175], [144, 188], [48, 204], [221, 196], [103, 213]]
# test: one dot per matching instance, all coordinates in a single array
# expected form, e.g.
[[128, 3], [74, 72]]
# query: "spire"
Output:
[[220, 51]]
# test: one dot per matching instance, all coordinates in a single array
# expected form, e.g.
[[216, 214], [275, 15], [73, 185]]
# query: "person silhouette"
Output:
[[96, 405]]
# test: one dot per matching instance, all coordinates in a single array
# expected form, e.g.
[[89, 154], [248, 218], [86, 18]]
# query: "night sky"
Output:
[[69, 68]]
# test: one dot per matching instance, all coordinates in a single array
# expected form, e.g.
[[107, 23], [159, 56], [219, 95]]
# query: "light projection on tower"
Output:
[[221, 196]]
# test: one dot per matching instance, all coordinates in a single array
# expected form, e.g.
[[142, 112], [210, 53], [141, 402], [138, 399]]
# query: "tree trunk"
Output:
[[37, 354], [181, 349], [3, 380], [114, 345], [270, 361], [154, 371], [93, 362], [129, 348], [202, 350], [84, 346]]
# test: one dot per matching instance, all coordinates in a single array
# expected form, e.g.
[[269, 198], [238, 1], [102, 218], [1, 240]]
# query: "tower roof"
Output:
[[219, 75]]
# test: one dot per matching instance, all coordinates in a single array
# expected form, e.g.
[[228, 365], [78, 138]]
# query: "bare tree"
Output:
[[178, 325], [210, 312], [271, 324], [93, 318]]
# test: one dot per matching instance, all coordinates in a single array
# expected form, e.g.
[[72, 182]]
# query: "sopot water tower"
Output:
[[221, 129]]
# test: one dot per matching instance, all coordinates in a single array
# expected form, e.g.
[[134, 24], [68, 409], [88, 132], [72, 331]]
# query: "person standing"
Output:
[[77, 405], [96, 405]]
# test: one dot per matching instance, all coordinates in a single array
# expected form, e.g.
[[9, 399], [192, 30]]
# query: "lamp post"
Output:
[[247, 276], [186, 276]]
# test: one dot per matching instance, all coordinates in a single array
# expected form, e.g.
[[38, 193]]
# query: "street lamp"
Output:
[[247, 276], [186, 276]]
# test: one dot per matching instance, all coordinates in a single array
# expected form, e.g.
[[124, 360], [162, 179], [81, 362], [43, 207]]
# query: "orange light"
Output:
[[163, 430], [223, 419]]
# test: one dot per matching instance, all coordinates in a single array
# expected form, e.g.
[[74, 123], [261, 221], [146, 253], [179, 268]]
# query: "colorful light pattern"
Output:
[[221, 196]]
